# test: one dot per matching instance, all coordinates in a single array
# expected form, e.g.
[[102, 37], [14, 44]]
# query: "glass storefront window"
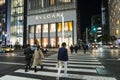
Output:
[[52, 28], [52, 2], [45, 27], [2, 2], [38, 28], [31, 41], [45, 42], [39, 41], [65, 1], [31, 29], [53, 42], [66, 26], [70, 26], [17, 7], [59, 27]]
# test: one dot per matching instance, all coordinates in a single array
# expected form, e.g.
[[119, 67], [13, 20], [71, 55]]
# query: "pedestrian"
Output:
[[76, 48], [71, 49], [37, 58], [62, 59], [84, 47], [28, 57]]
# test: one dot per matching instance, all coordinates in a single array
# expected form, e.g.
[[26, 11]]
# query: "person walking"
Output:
[[76, 48], [71, 49], [84, 47], [28, 57], [37, 58], [62, 59]]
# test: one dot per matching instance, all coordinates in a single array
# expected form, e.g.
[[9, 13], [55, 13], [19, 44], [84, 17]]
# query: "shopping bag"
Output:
[[58, 64]]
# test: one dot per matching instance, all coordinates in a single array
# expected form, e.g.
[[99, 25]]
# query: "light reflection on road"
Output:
[[106, 53]]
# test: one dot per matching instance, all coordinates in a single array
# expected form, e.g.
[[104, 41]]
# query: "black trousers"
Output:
[[28, 64]]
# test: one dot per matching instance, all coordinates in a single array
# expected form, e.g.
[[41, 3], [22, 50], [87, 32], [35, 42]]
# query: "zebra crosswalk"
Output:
[[80, 67]]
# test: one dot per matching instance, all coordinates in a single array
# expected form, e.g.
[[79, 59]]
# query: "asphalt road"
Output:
[[110, 59]]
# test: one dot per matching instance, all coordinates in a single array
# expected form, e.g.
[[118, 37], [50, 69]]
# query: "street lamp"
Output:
[[63, 40]]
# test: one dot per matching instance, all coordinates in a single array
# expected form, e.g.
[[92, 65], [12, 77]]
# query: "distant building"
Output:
[[105, 17], [45, 21], [3, 20], [114, 18]]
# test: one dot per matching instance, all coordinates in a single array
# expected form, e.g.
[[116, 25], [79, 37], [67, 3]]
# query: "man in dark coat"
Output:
[[28, 56], [62, 59]]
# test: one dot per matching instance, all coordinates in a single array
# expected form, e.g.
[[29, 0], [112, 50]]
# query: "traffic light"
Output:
[[94, 29]]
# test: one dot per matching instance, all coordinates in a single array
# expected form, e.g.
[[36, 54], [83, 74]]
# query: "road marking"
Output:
[[76, 62], [11, 77], [13, 56], [12, 63], [76, 65], [72, 76]]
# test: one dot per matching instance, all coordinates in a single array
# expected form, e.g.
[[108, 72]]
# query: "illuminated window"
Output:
[[52, 28], [45, 28], [59, 27], [53, 42], [66, 26], [2, 2], [116, 32], [65, 1], [117, 22], [70, 26], [45, 42], [31, 41], [38, 28], [31, 29], [52, 2]]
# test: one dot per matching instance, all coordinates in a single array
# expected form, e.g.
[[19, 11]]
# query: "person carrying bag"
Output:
[[37, 58], [62, 59]]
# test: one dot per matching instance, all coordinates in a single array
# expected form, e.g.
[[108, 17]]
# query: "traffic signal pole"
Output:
[[86, 35]]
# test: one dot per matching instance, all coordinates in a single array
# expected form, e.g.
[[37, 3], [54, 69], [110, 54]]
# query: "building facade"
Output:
[[2, 21], [52, 22], [16, 20], [114, 18]]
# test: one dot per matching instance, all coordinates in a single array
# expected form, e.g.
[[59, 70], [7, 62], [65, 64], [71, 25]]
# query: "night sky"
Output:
[[87, 9]]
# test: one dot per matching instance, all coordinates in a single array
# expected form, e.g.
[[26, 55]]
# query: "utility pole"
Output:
[[86, 35]]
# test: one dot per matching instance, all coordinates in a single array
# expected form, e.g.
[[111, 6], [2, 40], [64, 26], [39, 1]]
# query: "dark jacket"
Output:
[[63, 54], [28, 53]]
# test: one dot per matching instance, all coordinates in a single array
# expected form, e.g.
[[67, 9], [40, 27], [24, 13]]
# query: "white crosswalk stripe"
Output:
[[80, 67]]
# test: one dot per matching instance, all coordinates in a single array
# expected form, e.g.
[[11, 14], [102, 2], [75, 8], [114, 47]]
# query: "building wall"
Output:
[[56, 17], [114, 17], [50, 12], [17, 19]]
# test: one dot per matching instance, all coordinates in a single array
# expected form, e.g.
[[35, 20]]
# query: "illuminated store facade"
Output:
[[17, 18], [52, 22], [2, 21]]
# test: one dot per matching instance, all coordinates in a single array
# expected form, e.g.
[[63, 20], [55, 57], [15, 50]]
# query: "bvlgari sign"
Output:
[[49, 16]]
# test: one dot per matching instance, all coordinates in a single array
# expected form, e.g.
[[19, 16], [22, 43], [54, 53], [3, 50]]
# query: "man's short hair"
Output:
[[63, 44]]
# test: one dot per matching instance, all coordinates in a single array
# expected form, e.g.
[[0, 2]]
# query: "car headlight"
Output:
[[7, 49]]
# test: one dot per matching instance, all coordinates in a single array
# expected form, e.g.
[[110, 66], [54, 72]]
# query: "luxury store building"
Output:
[[52, 22]]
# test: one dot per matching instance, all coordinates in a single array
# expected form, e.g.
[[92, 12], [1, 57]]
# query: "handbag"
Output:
[[40, 62]]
